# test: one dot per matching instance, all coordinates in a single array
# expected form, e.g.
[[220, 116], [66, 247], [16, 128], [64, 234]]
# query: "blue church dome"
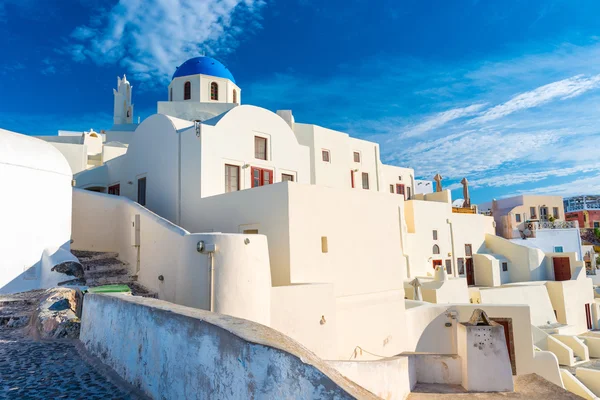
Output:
[[205, 66]]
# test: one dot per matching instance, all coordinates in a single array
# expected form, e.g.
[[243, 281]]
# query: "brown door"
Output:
[[436, 263], [507, 324], [562, 268], [470, 272], [588, 316]]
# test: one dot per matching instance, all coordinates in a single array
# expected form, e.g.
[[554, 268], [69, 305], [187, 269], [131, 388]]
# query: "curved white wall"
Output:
[[35, 208]]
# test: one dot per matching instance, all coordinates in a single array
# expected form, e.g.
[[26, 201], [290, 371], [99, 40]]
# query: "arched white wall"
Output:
[[35, 208], [229, 139]]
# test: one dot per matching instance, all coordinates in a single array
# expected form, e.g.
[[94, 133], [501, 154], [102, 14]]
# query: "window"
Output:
[[468, 250], [261, 176], [518, 217], [287, 178], [235, 96], [232, 178], [391, 188], [436, 249], [504, 266], [324, 246], [596, 224], [435, 235], [352, 178], [325, 155], [400, 189], [171, 94], [260, 148], [214, 91], [187, 91], [449, 267], [555, 212], [365, 180], [141, 197], [558, 249], [532, 212], [460, 262], [114, 189], [250, 232], [356, 156]]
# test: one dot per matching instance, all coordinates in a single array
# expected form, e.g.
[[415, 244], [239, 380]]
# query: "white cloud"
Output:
[[564, 89], [152, 37], [472, 152], [47, 67], [587, 185], [517, 178], [83, 33], [442, 118]]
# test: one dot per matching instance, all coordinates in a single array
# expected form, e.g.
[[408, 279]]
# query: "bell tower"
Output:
[[123, 112]]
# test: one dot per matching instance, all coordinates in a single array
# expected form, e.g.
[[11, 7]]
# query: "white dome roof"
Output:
[[28, 152]]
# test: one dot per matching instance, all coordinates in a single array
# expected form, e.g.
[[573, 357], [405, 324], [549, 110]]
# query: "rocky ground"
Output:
[[56, 368]]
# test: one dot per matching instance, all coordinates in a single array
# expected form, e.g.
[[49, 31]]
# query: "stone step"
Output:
[[109, 280], [104, 273], [85, 256], [109, 264]]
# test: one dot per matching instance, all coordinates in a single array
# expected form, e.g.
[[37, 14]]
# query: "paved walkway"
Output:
[[58, 369], [527, 387]]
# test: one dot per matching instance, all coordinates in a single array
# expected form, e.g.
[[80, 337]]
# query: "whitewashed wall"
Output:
[[427, 332], [185, 353], [341, 147], [569, 299], [76, 155], [393, 176], [35, 209], [366, 270], [229, 139], [104, 223], [526, 264], [547, 239]]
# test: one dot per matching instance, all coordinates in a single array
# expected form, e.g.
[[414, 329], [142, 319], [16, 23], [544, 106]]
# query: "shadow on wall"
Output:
[[436, 337], [53, 268]]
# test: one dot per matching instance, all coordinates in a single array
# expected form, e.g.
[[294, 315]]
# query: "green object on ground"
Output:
[[109, 289]]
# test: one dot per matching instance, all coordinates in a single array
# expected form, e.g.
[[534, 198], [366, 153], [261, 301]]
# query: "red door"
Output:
[[562, 268], [436, 263], [507, 337], [470, 272]]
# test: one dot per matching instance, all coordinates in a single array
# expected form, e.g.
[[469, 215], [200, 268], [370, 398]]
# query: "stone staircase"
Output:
[[104, 268]]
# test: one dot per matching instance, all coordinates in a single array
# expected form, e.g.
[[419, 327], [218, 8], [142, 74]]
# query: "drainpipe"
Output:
[[453, 257], [211, 261], [377, 167], [210, 249]]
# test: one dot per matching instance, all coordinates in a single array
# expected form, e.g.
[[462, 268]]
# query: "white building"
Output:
[[307, 231], [35, 214]]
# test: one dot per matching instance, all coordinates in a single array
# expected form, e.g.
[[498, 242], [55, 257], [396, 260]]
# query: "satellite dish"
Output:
[[458, 203]]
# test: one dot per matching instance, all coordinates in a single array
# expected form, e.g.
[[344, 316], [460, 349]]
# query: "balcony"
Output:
[[464, 210]]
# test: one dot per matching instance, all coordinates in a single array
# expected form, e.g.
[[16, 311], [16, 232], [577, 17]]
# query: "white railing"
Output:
[[538, 225]]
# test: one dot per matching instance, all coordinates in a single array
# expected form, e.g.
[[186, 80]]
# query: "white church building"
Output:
[[232, 208]]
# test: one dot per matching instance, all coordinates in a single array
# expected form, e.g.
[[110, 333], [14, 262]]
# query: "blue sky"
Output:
[[504, 93]]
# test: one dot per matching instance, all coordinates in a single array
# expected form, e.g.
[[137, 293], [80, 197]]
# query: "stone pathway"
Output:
[[58, 369]]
